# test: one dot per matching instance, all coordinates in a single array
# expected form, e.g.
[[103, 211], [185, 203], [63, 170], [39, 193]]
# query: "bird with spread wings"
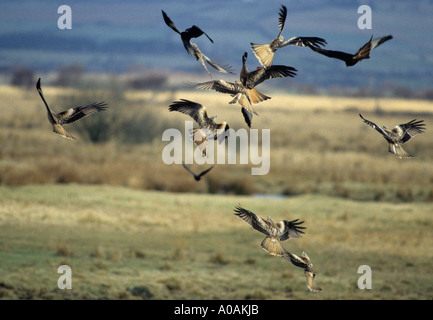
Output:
[[197, 177], [352, 59], [70, 115], [275, 232], [398, 135], [304, 262], [243, 90], [208, 128], [265, 52], [191, 47]]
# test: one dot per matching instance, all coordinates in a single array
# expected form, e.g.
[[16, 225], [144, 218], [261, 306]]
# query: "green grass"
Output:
[[159, 245]]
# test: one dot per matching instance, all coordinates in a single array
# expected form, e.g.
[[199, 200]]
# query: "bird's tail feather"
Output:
[[257, 97], [398, 151], [57, 128], [273, 246], [311, 282]]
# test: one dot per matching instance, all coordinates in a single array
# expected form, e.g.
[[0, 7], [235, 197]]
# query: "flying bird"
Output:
[[304, 262], [399, 135], [275, 232], [265, 52], [254, 78], [197, 177], [352, 59], [70, 115], [244, 96], [191, 47], [243, 90], [208, 128]]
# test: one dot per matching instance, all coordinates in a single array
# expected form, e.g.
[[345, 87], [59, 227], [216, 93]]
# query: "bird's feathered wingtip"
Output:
[[238, 209]]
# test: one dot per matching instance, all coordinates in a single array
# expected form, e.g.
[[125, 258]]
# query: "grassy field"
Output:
[[131, 227], [318, 144], [123, 243]]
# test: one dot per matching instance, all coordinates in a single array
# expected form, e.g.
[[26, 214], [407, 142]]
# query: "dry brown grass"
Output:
[[318, 144]]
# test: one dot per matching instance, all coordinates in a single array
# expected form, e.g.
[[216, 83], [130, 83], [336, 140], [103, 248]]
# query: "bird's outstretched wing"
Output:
[[195, 32], [169, 22], [305, 42], [364, 51], [378, 41], [264, 53], [376, 127], [346, 57], [220, 86], [296, 260], [262, 74], [205, 171], [282, 18], [225, 69], [292, 229], [252, 219], [77, 113], [188, 169], [411, 129], [193, 109], [51, 116]]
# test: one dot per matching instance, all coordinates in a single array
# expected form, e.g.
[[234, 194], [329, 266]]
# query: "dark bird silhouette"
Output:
[[275, 232], [399, 135], [191, 47], [243, 90], [70, 115], [304, 262], [208, 128], [352, 59], [265, 52], [197, 177]]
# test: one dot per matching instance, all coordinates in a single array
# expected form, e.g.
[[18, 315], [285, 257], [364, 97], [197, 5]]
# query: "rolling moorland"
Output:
[[132, 227]]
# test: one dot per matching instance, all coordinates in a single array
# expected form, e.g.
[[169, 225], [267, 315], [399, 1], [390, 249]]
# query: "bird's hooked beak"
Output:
[[213, 118]]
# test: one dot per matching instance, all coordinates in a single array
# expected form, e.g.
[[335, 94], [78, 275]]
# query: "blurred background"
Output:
[[113, 183]]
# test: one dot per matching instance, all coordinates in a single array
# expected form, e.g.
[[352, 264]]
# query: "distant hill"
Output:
[[111, 36]]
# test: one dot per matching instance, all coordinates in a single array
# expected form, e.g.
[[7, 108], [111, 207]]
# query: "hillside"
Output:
[[110, 37]]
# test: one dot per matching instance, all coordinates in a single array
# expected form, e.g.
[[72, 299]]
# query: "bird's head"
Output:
[[244, 57]]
